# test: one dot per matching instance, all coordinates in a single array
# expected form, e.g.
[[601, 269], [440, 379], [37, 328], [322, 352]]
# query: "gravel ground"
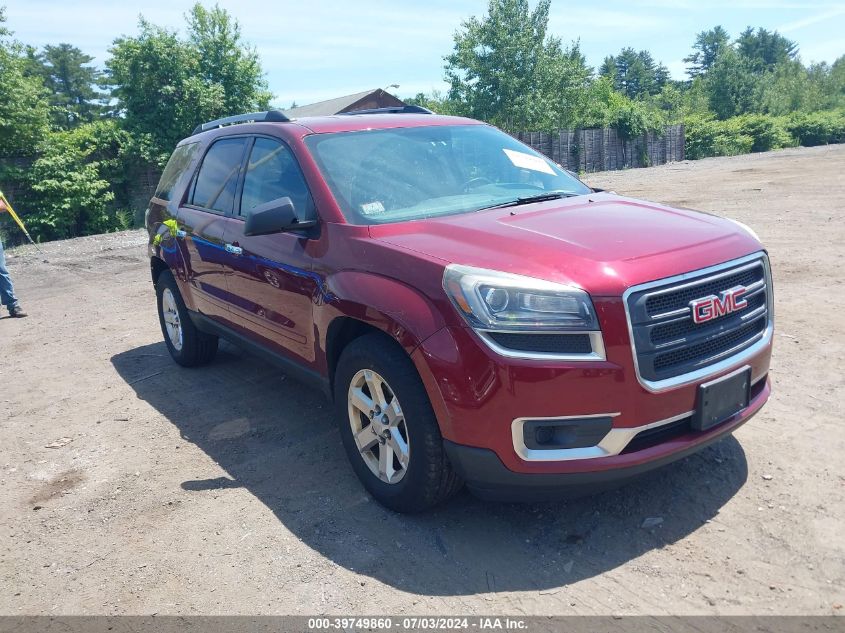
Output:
[[131, 486]]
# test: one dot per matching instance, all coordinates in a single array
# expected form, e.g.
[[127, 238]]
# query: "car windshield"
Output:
[[394, 175]]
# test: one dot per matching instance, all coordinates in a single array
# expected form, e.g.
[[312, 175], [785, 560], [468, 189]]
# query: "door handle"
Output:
[[234, 250]]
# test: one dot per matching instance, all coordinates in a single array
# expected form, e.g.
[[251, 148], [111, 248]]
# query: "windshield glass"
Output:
[[382, 176]]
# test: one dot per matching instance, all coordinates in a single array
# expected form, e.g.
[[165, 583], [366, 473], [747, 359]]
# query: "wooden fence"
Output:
[[604, 149]]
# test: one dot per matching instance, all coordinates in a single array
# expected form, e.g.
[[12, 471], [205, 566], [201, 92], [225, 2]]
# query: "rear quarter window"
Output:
[[179, 161], [217, 178]]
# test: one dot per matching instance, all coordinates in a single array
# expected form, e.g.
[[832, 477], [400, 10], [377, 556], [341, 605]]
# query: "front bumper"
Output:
[[487, 477], [478, 394]]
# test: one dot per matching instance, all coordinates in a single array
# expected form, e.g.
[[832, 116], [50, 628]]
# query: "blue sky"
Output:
[[327, 48]]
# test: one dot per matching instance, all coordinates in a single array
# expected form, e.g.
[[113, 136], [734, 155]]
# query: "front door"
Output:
[[270, 278], [202, 221]]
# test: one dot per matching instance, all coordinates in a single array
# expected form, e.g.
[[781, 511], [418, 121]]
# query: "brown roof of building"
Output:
[[376, 98]]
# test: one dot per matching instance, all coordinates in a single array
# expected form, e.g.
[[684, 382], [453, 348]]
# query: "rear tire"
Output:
[[416, 474], [187, 345]]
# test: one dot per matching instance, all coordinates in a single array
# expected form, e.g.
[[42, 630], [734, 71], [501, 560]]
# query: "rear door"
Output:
[[210, 204], [270, 278]]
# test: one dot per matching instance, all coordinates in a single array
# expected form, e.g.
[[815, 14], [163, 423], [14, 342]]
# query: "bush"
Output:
[[732, 144], [72, 182], [817, 128], [706, 136], [766, 132]]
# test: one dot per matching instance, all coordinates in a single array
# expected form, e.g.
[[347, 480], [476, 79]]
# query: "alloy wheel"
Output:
[[378, 426], [172, 323]]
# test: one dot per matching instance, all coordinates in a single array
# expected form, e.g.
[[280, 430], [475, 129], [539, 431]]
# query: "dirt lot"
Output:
[[130, 485]]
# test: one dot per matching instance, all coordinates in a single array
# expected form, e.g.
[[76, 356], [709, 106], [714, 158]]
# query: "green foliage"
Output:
[[70, 81], [708, 137], [435, 102], [765, 49], [670, 103], [605, 107], [766, 132], [225, 60], [791, 87], [24, 111], [706, 50], [817, 128], [71, 193], [732, 87], [635, 74], [507, 70], [633, 120], [165, 85], [158, 89]]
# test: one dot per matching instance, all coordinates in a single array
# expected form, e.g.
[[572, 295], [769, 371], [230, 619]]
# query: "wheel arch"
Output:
[[157, 266], [341, 332], [363, 303]]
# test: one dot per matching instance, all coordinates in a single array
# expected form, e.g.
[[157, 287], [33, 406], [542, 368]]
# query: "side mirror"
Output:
[[276, 216]]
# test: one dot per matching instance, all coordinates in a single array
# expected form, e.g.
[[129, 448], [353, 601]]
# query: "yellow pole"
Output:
[[8, 207]]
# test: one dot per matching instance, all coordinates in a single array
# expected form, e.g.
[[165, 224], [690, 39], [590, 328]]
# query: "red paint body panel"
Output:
[[287, 291], [602, 243], [478, 394]]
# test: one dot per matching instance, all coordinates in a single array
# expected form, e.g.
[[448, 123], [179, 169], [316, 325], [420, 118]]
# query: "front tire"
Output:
[[187, 345], [388, 427]]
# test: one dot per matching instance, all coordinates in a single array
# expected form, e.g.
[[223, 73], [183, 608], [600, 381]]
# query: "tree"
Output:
[[835, 83], [571, 78], [706, 49], [434, 101], [506, 69], [732, 86], [791, 87], [165, 85], [71, 81], [24, 112], [635, 74], [225, 60], [70, 182], [765, 49], [159, 92]]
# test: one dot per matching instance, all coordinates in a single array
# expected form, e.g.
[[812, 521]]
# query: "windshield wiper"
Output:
[[539, 197]]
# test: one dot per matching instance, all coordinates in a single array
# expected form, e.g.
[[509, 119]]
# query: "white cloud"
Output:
[[602, 23], [810, 20]]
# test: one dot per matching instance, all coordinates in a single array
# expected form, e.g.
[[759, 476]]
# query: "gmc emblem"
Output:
[[712, 307]]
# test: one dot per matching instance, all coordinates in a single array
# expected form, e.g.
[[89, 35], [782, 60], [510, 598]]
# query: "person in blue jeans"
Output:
[[7, 290]]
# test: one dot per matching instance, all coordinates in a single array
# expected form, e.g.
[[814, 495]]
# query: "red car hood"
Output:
[[602, 242]]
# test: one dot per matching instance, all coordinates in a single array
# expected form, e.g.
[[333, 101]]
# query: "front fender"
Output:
[[402, 312]]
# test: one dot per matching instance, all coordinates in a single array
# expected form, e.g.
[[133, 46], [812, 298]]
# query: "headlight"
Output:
[[493, 300]]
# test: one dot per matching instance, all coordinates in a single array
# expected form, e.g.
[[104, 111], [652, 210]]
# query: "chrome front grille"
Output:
[[669, 346]]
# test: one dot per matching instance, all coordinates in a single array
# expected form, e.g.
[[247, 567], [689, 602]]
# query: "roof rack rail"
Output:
[[270, 116], [405, 109]]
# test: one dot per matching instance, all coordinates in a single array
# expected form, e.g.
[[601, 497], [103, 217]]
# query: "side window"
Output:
[[178, 163], [218, 176], [272, 172]]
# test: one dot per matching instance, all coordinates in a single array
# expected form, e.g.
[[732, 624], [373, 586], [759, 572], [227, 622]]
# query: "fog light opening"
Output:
[[544, 435]]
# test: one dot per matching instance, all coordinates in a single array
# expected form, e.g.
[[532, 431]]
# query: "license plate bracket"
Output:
[[722, 398]]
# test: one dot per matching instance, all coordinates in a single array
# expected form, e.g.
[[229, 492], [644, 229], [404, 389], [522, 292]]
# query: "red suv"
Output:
[[476, 313]]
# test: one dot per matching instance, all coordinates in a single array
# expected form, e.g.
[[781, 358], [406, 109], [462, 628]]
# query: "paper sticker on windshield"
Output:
[[529, 161], [372, 208]]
